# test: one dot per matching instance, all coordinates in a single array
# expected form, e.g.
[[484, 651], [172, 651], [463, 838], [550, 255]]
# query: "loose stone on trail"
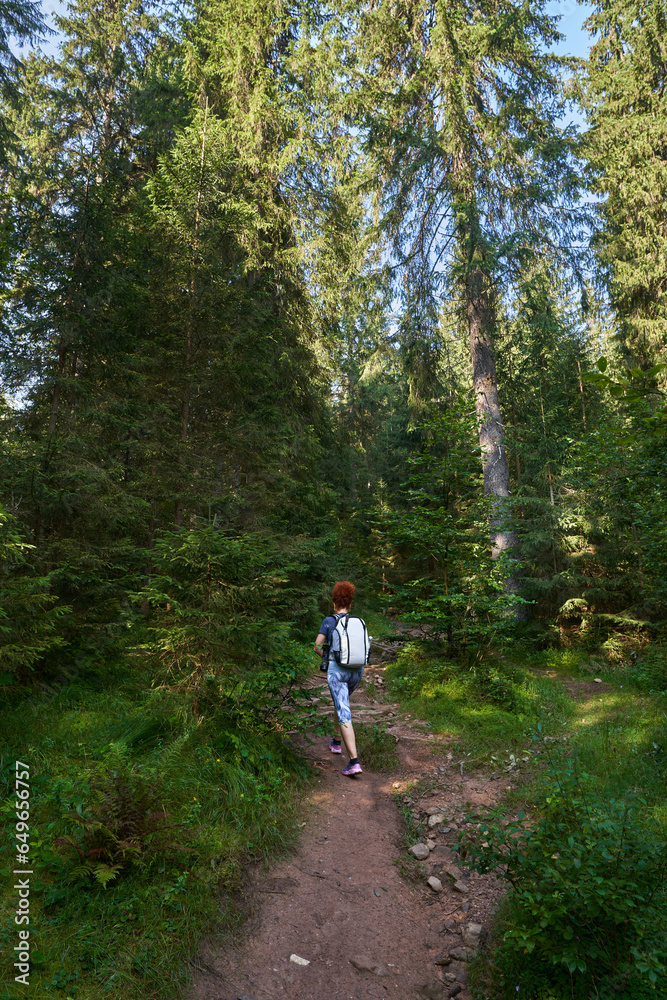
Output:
[[452, 870], [365, 964], [472, 935], [460, 970], [435, 883], [435, 820], [420, 851], [444, 853], [431, 991], [298, 960], [462, 954]]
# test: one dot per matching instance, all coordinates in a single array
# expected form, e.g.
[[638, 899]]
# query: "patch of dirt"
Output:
[[342, 895], [578, 690], [582, 690]]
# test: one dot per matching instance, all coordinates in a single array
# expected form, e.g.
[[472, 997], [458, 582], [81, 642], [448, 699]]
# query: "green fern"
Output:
[[105, 873]]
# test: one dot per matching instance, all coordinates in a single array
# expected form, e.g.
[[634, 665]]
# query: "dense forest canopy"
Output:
[[286, 277], [297, 292]]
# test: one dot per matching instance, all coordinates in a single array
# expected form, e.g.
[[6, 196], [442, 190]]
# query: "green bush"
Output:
[[125, 777], [509, 975], [589, 882], [29, 613], [489, 679], [648, 671]]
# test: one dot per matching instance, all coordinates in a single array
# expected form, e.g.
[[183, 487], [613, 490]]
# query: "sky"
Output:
[[573, 14], [572, 17], [576, 41]]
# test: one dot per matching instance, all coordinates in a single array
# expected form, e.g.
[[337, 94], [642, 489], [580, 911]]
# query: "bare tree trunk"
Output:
[[546, 451], [479, 310], [55, 398], [551, 485], [581, 390], [62, 345]]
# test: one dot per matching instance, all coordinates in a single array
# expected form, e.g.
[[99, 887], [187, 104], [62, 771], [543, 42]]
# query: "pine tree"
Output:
[[459, 105], [75, 308], [624, 88], [22, 21], [543, 345]]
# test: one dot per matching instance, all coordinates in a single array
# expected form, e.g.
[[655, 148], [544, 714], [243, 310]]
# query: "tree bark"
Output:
[[581, 391], [480, 313], [351, 419], [479, 309]]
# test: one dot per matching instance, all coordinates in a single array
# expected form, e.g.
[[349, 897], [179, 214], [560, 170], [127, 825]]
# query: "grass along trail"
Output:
[[352, 901], [356, 905]]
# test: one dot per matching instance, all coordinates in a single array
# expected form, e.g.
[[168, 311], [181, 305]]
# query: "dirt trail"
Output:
[[342, 898]]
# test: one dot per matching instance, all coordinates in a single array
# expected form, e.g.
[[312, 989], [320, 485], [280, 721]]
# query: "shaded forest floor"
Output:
[[318, 865]]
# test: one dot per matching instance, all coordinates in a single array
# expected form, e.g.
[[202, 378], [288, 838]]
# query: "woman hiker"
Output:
[[342, 681]]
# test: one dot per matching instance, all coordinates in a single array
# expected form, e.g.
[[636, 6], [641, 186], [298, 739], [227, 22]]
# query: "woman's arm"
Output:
[[319, 642]]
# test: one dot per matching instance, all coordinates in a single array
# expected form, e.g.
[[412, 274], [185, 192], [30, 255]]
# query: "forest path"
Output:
[[342, 897]]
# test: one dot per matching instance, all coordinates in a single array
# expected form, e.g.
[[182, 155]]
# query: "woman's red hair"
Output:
[[343, 594]]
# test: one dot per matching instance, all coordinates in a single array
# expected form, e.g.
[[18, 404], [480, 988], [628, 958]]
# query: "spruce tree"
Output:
[[75, 309], [625, 93], [22, 21], [459, 104]]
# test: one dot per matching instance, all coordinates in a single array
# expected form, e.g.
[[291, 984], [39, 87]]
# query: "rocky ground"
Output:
[[362, 910]]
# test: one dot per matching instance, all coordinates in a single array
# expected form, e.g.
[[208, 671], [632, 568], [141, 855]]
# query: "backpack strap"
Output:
[[337, 616]]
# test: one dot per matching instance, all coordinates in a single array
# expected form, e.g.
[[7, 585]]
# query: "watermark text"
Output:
[[22, 871]]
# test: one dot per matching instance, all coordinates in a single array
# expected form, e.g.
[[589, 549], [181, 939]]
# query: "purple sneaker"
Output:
[[352, 769], [335, 747]]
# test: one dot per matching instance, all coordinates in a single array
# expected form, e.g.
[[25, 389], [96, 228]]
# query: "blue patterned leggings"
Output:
[[342, 683]]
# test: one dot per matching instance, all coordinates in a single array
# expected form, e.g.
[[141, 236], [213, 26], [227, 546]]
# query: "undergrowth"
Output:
[[495, 705], [586, 913], [588, 878], [143, 817]]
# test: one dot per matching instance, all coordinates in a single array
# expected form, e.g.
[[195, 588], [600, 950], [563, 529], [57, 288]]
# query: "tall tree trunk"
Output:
[[514, 423], [551, 485], [479, 310], [581, 391], [62, 344]]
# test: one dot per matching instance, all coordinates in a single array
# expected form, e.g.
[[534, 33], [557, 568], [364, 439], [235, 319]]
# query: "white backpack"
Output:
[[350, 643]]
